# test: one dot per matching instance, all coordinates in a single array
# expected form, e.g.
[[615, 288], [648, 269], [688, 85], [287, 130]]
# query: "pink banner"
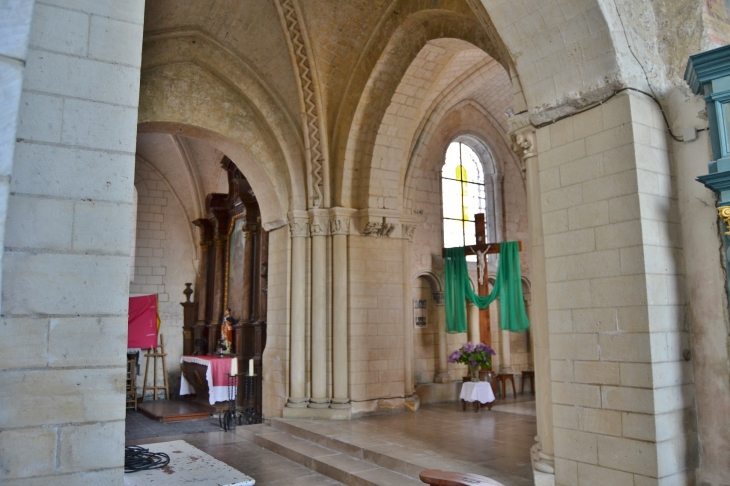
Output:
[[142, 322]]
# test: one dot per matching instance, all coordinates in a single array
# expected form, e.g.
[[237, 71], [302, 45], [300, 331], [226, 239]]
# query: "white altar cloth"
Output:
[[477, 391]]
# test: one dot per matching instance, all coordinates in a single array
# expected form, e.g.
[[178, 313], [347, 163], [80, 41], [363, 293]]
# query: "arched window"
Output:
[[463, 195]]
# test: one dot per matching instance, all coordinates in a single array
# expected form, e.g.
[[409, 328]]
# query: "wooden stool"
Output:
[[502, 378], [436, 477], [531, 376]]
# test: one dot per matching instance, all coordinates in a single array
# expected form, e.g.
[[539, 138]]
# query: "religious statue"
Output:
[[227, 331]]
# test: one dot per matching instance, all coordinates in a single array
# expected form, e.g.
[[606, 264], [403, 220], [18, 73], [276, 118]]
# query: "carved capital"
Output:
[[318, 222], [374, 228], [439, 298], [724, 212], [407, 230], [340, 226], [522, 135], [341, 220], [220, 241], [299, 224]]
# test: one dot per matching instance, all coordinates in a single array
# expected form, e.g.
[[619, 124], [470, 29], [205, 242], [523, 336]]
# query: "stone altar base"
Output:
[[438, 392]]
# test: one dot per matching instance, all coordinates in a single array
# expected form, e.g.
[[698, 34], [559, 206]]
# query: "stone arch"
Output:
[[436, 282], [227, 106], [356, 137]]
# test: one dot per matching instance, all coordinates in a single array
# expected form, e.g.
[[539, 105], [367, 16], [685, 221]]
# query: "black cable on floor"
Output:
[[141, 459]]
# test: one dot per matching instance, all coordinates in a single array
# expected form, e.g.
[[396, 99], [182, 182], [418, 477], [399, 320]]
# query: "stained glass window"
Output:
[[463, 195]]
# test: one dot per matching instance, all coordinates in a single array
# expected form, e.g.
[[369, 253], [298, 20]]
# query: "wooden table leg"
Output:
[[463, 405], [514, 390], [489, 405]]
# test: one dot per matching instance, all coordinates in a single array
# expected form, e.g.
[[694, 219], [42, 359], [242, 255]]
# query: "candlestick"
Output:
[[234, 366], [250, 367]]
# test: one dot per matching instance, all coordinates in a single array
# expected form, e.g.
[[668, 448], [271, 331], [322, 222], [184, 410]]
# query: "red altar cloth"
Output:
[[216, 375], [142, 322]]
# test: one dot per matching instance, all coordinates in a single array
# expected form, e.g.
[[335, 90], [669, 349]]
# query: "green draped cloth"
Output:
[[508, 287]]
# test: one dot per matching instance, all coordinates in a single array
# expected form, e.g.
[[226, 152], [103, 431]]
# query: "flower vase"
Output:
[[474, 372]]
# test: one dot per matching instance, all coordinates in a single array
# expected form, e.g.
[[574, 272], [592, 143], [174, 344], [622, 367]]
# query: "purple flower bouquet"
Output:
[[475, 356]]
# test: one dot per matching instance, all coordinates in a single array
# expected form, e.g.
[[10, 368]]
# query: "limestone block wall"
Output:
[[163, 260], [376, 323], [276, 353], [622, 394], [425, 340], [425, 204], [66, 261], [14, 32]]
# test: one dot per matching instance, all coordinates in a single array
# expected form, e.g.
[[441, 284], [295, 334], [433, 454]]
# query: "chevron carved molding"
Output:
[[298, 47]]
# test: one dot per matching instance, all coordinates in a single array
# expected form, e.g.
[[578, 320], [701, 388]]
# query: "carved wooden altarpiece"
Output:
[[232, 274]]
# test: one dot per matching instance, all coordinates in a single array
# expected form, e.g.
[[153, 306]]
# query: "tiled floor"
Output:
[[137, 426], [499, 441]]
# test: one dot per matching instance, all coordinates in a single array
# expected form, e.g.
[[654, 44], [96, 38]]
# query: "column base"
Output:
[[319, 403], [296, 403], [413, 403], [341, 404], [317, 413], [442, 377], [506, 369]]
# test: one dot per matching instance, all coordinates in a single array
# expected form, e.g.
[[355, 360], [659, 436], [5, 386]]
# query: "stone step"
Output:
[[334, 464], [366, 446]]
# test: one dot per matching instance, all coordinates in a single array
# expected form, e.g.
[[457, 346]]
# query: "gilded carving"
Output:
[[724, 212]]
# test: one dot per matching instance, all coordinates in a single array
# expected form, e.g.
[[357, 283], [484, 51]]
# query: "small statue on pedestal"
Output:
[[227, 332]]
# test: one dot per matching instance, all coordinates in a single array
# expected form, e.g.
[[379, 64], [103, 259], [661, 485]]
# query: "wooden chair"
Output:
[[503, 378], [531, 376], [436, 477]]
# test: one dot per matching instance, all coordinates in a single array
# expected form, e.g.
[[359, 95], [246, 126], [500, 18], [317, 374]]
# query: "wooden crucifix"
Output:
[[481, 250]]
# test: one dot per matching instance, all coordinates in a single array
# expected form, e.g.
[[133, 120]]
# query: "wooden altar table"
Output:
[[216, 377]]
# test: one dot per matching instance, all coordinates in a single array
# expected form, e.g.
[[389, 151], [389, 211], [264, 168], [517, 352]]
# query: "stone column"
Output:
[[473, 320], [496, 182], [319, 227], [524, 144], [505, 346], [442, 375], [408, 388], [298, 224], [339, 228]]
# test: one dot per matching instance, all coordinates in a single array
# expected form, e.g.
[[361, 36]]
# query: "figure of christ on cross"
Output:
[[481, 250]]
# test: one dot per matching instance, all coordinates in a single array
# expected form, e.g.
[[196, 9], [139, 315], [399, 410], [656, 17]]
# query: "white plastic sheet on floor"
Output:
[[188, 465]]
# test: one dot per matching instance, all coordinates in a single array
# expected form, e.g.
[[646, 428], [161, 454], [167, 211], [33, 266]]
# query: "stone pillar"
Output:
[[339, 228], [524, 144], [472, 312], [298, 224], [505, 346], [442, 375], [319, 227], [496, 183], [408, 388], [65, 282]]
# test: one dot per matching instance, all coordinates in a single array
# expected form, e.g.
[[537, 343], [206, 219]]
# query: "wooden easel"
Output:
[[156, 355], [485, 328]]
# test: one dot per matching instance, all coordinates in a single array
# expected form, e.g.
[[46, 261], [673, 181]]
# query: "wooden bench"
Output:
[[437, 477]]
